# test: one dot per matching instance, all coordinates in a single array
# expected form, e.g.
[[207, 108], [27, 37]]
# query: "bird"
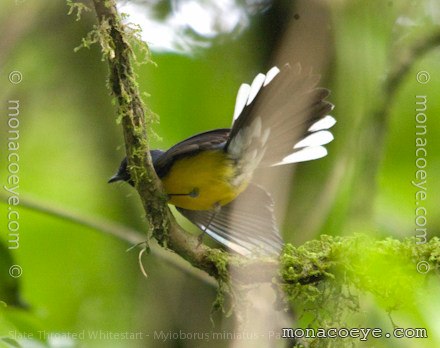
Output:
[[281, 118]]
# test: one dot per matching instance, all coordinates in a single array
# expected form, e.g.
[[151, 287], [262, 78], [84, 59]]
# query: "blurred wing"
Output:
[[246, 225], [203, 141], [280, 118]]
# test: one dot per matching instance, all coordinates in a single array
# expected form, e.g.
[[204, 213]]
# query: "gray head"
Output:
[[123, 174]]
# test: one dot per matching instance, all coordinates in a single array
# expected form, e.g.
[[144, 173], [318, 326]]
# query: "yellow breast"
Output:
[[208, 173]]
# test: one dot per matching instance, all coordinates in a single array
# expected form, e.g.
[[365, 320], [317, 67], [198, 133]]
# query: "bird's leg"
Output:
[[193, 194], [215, 211]]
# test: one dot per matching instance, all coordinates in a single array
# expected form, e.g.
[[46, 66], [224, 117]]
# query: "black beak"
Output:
[[115, 178]]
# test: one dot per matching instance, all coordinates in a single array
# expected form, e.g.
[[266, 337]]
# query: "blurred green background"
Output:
[[76, 278]]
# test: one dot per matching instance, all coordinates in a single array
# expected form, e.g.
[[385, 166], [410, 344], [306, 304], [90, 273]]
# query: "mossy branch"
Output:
[[302, 269], [115, 43]]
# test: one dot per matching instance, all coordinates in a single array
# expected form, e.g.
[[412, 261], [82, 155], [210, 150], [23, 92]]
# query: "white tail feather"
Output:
[[247, 93], [326, 122], [255, 87], [242, 97], [270, 75], [315, 139], [303, 155], [307, 149]]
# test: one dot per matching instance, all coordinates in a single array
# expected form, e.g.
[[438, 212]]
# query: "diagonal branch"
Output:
[[124, 233], [378, 128], [114, 40]]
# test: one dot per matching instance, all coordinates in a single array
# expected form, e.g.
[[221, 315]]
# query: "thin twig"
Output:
[[378, 126], [111, 228]]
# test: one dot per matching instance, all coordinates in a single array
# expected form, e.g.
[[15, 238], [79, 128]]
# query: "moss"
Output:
[[220, 260], [135, 50], [358, 258], [324, 278], [307, 263], [308, 284], [77, 7]]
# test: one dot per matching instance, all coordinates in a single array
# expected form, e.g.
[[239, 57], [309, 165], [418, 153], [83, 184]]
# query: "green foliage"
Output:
[[388, 268], [82, 278], [324, 279]]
